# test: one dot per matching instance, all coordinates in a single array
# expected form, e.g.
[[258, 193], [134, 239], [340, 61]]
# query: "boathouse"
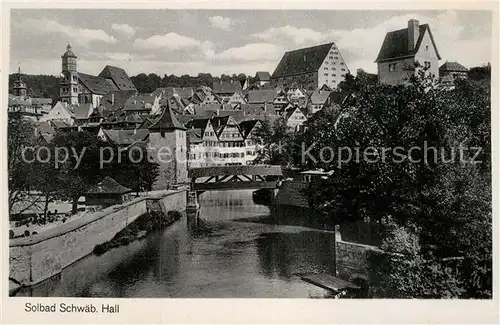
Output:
[[107, 192]]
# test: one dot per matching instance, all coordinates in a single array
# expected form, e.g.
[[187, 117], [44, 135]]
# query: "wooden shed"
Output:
[[107, 192]]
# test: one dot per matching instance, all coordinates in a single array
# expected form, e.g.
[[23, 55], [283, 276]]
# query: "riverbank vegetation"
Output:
[[148, 222], [435, 203]]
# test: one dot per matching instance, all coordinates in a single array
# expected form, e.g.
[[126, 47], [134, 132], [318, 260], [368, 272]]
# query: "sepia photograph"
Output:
[[203, 153]]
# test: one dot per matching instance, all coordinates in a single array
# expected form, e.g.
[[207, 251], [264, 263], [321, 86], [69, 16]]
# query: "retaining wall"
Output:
[[352, 258], [36, 258]]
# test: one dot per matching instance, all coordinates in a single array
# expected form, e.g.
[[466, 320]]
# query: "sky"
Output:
[[226, 41]]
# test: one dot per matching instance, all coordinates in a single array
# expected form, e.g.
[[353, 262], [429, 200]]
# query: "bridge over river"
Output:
[[234, 177]]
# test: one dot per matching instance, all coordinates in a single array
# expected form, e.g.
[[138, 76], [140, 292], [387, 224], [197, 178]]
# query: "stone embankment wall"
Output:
[[352, 259], [36, 258]]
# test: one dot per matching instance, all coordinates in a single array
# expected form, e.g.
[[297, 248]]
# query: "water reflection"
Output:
[[220, 253]]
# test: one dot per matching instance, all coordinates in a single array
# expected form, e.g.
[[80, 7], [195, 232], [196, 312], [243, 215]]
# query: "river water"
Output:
[[230, 253]]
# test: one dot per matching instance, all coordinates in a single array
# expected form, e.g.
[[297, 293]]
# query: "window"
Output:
[[326, 74], [427, 64], [427, 47], [342, 69], [330, 57], [392, 66]]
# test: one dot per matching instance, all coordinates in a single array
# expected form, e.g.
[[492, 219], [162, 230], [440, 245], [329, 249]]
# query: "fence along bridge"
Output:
[[233, 177]]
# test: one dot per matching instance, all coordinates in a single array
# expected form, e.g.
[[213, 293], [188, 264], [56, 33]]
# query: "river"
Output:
[[228, 254]]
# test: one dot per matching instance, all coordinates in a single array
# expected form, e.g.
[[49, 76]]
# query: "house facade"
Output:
[[402, 49], [311, 67]]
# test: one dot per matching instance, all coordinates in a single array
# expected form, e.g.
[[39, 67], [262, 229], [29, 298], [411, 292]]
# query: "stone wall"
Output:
[[36, 258], [352, 259]]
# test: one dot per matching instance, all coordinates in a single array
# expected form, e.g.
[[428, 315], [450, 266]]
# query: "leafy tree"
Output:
[[20, 134], [403, 271], [82, 170], [447, 201], [136, 171], [45, 177], [480, 73], [276, 143]]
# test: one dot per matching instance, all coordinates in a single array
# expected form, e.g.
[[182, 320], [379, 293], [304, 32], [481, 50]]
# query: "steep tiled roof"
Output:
[[96, 85], [46, 128], [201, 109], [320, 97], [167, 121], [289, 112], [184, 119], [146, 123], [231, 113], [263, 76], [247, 126], [302, 60], [226, 87], [138, 103], [59, 124], [452, 66], [395, 44], [199, 123], [41, 101], [115, 100], [261, 96], [183, 92], [109, 186], [256, 109], [119, 77], [194, 135]]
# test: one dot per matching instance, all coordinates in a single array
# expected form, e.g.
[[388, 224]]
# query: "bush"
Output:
[[11, 233], [26, 233]]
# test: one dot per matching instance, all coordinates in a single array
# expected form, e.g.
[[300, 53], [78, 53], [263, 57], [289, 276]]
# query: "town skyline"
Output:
[[226, 42]]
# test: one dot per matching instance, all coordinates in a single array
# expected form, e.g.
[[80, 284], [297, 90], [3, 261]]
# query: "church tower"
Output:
[[19, 85], [69, 77], [167, 138]]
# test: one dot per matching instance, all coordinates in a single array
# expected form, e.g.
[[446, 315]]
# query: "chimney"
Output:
[[112, 99], [413, 34]]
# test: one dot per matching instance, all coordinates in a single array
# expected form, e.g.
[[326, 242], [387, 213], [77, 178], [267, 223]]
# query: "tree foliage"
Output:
[[447, 198]]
